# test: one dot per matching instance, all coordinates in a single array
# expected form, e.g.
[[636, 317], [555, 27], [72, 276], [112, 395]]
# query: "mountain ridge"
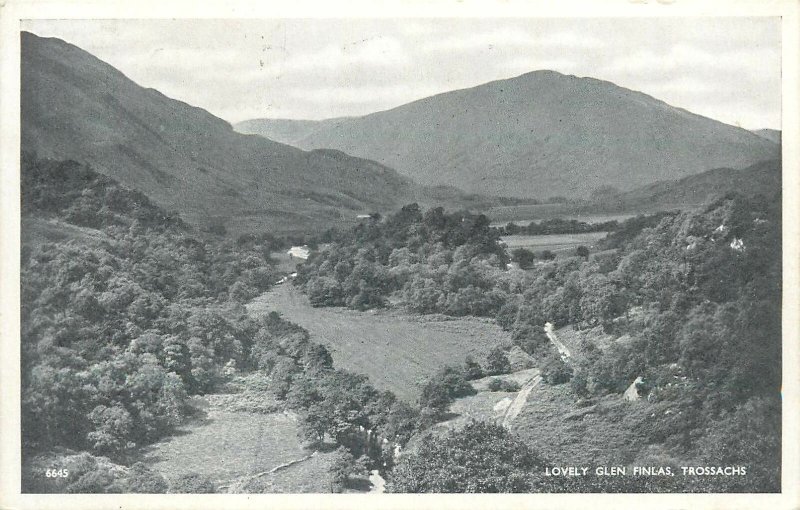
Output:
[[536, 135], [77, 107]]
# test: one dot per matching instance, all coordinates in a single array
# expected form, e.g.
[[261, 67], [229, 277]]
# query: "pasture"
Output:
[[232, 446], [395, 350], [585, 218], [557, 243]]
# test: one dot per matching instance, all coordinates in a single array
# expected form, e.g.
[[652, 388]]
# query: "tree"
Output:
[[523, 257], [343, 466], [554, 369], [113, 429], [144, 480], [481, 457], [497, 362], [582, 251], [472, 370]]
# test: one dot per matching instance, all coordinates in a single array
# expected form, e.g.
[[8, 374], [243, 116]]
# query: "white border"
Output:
[[12, 11]]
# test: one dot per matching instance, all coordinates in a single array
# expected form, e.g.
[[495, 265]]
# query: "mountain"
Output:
[[539, 135], [74, 106], [286, 131], [773, 135], [763, 178]]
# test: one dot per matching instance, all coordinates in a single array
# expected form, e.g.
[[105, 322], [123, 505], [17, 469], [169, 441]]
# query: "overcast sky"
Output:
[[724, 68]]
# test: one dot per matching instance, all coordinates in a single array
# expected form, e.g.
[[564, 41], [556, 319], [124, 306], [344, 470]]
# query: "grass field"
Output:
[[586, 218], [557, 243], [39, 230], [608, 431], [232, 446], [396, 351]]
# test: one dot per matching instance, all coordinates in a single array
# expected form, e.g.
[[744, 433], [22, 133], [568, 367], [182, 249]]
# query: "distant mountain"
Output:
[[763, 178], [75, 106], [286, 131], [537, 135], [773, 135]]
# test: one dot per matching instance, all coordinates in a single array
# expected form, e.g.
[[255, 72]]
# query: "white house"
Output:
[[299, 252]]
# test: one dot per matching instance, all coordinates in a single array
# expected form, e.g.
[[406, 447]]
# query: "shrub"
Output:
[[497, 362], [192, 483], [523, 257], [472, 370], [555, 370], [503, 385], [143, 480], [481, 457], [442, 388]]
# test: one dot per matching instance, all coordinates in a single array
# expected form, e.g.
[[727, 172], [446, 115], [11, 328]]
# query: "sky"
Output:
[[728, 69]]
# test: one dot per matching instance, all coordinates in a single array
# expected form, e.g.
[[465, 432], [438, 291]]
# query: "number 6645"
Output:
[[56, 473]]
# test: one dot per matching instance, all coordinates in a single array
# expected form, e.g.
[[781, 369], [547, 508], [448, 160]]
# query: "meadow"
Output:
[[233, 441], [585, 218], [553, 242], [396, 351]]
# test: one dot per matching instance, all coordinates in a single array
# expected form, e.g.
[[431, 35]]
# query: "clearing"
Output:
[[396, 351], [232, 446], [585, 218], [553, 242]]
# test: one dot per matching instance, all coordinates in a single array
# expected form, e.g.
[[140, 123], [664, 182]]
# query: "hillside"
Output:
[[763, 178], [77, 107], [773, 135], [287, 131], [538, 135]]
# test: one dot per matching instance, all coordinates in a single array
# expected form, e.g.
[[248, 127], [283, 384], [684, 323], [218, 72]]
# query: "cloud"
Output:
[[726, 68], [379, 52], [526, 64], [361, 94], [514, 38], [687, 58], [570, 40]]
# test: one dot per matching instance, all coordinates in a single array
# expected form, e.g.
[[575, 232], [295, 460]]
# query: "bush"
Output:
[[523, 257], [555, 370], [344, 466], [472, 370], [442, 388], [481, 457], [497, 362], [192, 483], [503, 385], [143, 480]]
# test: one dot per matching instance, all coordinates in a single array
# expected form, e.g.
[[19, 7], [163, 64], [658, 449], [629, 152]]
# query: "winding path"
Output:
[[562, 349], [513, 410]]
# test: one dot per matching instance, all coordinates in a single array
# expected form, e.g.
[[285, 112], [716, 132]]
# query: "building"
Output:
[[299, 252]]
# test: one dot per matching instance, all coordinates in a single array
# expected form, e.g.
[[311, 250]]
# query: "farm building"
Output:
[[299, 252]]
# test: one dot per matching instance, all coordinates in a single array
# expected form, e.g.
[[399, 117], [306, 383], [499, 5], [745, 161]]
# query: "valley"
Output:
[[398, 351], [312, 306]]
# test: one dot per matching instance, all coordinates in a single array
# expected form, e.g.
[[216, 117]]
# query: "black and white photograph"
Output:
[[380, 255]]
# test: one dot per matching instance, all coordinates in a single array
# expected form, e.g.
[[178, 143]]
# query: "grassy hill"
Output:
[[760, 179], [537, 135], [77, 107], [773, 135]]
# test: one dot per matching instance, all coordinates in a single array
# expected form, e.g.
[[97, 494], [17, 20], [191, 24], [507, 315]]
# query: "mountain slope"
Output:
[[773, 135], [286, 131], [763, 178], [75, 106], [542, 134]]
